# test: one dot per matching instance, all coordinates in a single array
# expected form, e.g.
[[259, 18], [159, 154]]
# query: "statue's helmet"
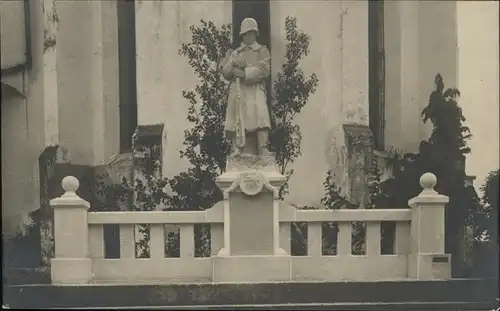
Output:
[[248, 24]]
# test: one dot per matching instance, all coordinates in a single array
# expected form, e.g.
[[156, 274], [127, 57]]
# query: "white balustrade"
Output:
[[80, 254]]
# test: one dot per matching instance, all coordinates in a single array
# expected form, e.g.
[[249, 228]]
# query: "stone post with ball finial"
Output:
[[72, 264], [427, 259]]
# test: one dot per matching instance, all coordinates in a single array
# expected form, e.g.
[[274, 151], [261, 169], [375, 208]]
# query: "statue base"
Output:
[[251, 251], [251, 225], [254, 269]]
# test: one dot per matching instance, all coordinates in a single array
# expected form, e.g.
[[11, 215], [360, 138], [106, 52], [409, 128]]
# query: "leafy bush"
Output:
[[482, 249], [204, 143], [485, 222]]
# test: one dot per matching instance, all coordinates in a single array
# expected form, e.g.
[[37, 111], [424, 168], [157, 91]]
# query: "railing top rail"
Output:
[[290, 214], [215, 215], [212, 215]]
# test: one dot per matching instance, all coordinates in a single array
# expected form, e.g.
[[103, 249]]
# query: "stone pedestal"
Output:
[[71, 264], [251, 249], [428, 260]]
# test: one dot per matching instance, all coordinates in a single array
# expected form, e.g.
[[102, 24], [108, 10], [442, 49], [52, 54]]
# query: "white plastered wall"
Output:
[[478, 82]]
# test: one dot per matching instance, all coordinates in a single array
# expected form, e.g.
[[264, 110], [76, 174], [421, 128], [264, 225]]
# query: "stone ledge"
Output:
[[431, 293], [148, 135]]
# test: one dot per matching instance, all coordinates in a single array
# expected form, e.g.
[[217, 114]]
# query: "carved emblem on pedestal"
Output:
[[251, 183]]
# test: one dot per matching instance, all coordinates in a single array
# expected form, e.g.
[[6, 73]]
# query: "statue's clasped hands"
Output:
[[239, 65]]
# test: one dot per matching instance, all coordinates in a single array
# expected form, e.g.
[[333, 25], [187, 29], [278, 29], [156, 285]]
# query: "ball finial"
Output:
[[428, 181], [70, 184]]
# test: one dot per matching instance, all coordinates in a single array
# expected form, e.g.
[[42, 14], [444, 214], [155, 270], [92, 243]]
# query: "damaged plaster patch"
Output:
[[48, 42], [358, 139], [336, 158], [138, 5], [51, 21], [343, 13]]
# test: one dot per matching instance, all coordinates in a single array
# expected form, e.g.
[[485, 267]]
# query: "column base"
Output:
[[252, 268], [429, 266], [71, 271], [224, 252], [281, 252]]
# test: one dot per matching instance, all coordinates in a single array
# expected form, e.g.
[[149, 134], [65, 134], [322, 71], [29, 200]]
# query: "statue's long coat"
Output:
[[255, 111]]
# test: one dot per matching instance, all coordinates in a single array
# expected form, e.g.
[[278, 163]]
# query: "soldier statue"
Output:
[[247, 116]]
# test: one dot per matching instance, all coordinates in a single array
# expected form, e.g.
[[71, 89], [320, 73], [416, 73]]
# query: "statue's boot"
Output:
[[263, 141], [264, 151], [236, 151]]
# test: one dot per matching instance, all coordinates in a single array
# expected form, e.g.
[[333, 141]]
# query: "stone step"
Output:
[[410, 306], [463, 294]]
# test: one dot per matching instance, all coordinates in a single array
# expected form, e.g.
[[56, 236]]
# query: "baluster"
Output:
[[314, 239], [344, 246], [402, 238], [285, 236], [373, 238], [157, 248], [216, 237], [127, 241], [187, 240], [96, 241]]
